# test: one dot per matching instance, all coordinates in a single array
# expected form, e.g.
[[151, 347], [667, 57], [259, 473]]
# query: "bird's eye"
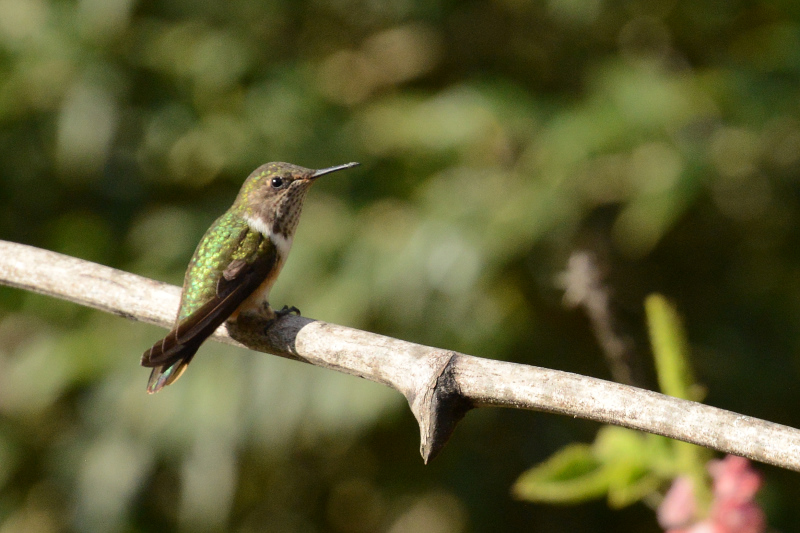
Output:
[[277, 183]]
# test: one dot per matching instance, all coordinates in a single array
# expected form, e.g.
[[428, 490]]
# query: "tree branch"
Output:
[[440, 385]]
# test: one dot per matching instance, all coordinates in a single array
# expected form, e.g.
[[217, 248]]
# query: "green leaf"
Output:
[[620, 464], [628, 456], [670, 349], [571, 475], [638, 486]]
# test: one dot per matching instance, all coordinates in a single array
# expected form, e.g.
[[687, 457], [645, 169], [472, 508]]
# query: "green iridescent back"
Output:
[[219, 246]]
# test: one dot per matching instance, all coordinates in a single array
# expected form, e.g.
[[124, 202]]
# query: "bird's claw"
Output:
[[280, 314], [287, 311]]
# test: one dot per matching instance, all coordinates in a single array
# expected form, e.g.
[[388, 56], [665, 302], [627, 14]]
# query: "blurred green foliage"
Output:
[[494, 137]]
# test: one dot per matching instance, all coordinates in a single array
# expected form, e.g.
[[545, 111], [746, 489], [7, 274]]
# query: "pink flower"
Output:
[[679, 507], [733, 510]]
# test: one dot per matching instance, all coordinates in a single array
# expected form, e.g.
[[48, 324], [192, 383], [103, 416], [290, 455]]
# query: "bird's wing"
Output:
[[238, 282]]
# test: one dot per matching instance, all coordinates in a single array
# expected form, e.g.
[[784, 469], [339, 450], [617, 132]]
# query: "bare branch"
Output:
[[440, 385], [585, 286]]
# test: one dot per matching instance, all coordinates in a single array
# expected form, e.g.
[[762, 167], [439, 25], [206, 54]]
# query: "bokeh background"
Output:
[[496, 138]]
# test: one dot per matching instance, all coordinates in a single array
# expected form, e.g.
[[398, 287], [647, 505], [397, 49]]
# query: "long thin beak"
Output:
[[323, 171]]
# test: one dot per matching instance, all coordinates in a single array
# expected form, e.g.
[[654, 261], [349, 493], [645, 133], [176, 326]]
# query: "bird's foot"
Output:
[[280, 314], [287, 311]]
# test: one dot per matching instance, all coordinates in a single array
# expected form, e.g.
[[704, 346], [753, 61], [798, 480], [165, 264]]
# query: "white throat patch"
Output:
[[258, 225], [282, 243]]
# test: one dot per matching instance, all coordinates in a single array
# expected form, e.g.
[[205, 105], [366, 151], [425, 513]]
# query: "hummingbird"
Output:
[[235, 265]]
